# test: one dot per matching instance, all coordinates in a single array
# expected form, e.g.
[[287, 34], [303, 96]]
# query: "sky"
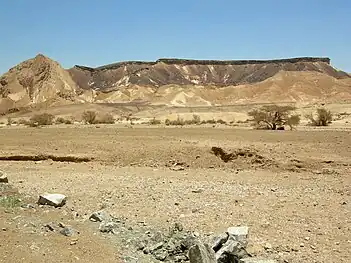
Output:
[[94, 33]]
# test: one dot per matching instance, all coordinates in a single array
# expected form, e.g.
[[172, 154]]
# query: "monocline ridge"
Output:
[[177, 61]]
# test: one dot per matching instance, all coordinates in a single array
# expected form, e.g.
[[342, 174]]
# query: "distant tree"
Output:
[[272, 117], [324, 117]]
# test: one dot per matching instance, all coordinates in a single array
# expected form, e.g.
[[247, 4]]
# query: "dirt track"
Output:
[[297, 198]]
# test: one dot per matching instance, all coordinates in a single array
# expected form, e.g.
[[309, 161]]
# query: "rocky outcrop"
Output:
[[35, 81]]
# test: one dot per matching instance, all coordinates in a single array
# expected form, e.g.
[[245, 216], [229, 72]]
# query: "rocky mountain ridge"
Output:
[[194, 72], [174, 82]]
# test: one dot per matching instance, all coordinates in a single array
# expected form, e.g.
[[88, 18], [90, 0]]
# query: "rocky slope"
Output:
[[42, 81], [194, 72], [35, 81]]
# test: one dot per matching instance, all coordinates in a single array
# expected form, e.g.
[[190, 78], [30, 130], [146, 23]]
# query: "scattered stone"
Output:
[[4, 229], [3, 177], [67, 231], [73, 243], [268, 246], [100, 216], [256, 260], [239, 233], [28, 206], [219, 241], [108, 227], [201, 253], [49, 227], [197, 191], [161, 255], [155, 247], [56, 200]]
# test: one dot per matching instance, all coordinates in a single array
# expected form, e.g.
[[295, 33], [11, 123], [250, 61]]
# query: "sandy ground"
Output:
[[296, 198]]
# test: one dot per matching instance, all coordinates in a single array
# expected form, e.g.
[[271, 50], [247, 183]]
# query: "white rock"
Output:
[[3, 177], [56, 200], [239, 233]]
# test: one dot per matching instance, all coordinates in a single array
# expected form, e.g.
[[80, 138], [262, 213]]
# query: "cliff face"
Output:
[[194, 72]]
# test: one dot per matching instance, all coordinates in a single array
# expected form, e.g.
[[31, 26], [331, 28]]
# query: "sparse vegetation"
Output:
[[9, 121], [89, 117], [23, 122], [10, 201], [61, 120], [212, 121], [324, 117], [220, 121], [178, 122], [41, 119], [154, 121], [106, 119], [196, 119], [272, 117]]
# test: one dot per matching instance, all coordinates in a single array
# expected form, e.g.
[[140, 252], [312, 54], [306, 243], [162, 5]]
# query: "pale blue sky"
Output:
[[93, 33]]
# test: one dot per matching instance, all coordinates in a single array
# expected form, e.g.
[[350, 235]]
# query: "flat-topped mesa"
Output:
[[241, 62], [177, 61], [117, 65]]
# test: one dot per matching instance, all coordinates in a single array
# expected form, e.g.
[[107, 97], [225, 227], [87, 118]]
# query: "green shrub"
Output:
[[9, 201]]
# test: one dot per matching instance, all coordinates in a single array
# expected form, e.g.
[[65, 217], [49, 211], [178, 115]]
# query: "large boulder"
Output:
[[201, 253], [56, 200]]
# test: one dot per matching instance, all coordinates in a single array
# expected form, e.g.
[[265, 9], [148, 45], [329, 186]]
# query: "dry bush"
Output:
[[23, 122], [106, 119], [271, 117], [9, 121], [220, 121], [61, 120], [324, 117], [208, 121], [178, 122], [41, 119], [196, 119], [154, 121], [89, 117]]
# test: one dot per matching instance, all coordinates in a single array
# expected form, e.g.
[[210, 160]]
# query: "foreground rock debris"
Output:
[[56, 200], [201, 253], [176, 245], [3, 177]]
